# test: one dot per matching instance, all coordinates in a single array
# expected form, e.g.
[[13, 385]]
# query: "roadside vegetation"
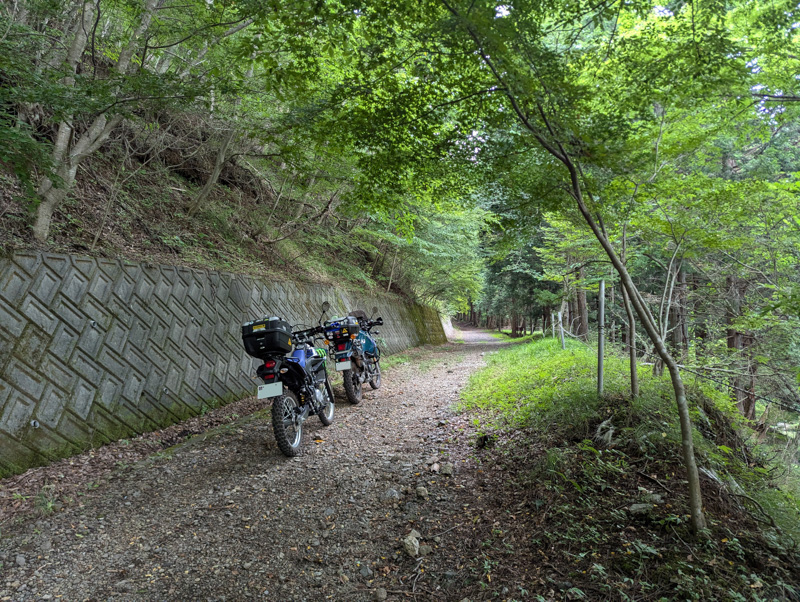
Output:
[[603, 486]]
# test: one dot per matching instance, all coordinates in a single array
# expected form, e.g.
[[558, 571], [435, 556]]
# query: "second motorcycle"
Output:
[[355, 351]]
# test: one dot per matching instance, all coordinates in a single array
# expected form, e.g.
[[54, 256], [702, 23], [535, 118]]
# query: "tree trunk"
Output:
[[581, 309], [749, 404], [631, 342], [700, 331], [678, 321], [52, 197], [736, 343], [378, 252], [391, 274], [698, 521], [570, 317], [625, 329], [219, 163], [66, 160]]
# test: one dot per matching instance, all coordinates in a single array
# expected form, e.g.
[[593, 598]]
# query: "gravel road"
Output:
[[224, 516]]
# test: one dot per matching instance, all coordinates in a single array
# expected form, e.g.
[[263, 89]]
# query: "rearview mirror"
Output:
[[325, 306], [374, 309]]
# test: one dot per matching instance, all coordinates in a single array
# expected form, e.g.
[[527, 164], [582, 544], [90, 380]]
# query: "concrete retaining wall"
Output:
[[93, 350]]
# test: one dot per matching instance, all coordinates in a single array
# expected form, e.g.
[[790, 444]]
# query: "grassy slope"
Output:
[[579, 462], [139, 211]]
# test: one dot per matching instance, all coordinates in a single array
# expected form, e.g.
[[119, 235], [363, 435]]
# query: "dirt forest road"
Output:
[[224, 516]]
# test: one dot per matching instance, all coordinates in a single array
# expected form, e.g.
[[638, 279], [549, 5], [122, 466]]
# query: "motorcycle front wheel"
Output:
[[286, 425], [326, 413], [375, 382], [352, 386]]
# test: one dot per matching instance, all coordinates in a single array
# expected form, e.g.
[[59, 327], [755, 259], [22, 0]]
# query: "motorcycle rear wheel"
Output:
[[288, 430], [326, 413], [352, 386]]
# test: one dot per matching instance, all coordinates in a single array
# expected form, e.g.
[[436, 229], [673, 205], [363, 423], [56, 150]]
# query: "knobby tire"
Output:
[[288, 435], [326, 413], [352, 386], [375, 382]]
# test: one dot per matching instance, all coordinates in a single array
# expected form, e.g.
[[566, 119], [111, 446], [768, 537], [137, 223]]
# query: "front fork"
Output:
[[367, 367]]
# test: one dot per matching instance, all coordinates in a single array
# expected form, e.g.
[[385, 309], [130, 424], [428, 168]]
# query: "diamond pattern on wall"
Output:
[[93, 349]]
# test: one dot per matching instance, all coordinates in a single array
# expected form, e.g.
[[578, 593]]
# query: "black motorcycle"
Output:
[[355, 352], [294, 374]]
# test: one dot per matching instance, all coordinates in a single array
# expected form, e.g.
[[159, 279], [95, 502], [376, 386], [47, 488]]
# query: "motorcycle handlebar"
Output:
[[304, 335], [376, 322], [308, 333]]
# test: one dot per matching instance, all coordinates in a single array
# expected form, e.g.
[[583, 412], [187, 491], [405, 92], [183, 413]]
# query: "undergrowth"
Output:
[[604, 482], [145, 217]]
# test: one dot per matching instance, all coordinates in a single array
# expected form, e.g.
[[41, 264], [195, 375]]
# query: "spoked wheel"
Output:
[[286, 424], [326, 413], [352, 386], [375, 382]]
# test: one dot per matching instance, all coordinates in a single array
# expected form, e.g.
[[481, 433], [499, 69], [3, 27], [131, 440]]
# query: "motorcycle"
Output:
[[295, 376], [355, 352]]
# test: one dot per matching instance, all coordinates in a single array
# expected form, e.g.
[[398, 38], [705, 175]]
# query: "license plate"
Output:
[[343, 366], [270, 390]]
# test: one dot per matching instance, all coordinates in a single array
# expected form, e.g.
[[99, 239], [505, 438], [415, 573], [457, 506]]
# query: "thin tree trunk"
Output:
[[700, 333], [380, 251], [211, 181], [631, 321], [570, 316], [116, 186], [278, 197], [219, 161], [581, 308], [750, 400], [612, 330], [681, 332], [735, 339], [391, 274], [631, 345]]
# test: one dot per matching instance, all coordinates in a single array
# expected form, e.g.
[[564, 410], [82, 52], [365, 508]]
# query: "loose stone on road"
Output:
[[225, 516]]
